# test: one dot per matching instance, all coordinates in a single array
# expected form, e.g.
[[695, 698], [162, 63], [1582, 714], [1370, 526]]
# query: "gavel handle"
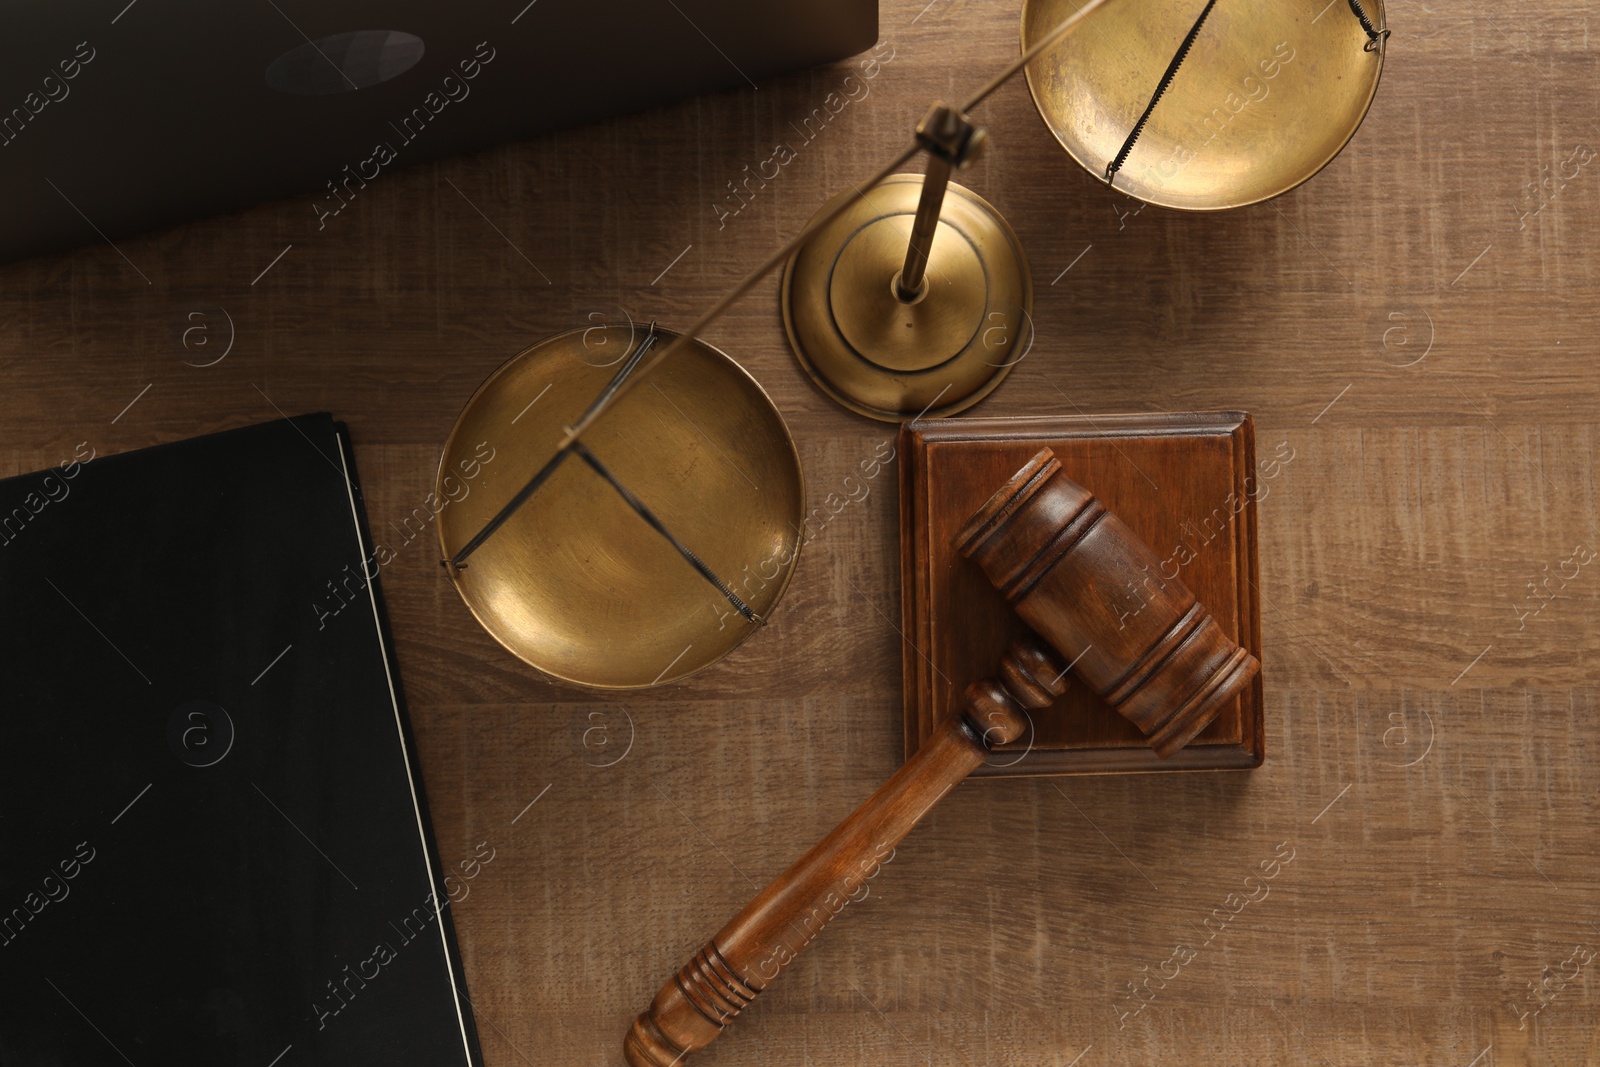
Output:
[[724, 977], [695, 1005]]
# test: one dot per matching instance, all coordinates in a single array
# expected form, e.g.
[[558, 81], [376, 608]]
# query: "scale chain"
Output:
[[660, 527], [1161, 88]]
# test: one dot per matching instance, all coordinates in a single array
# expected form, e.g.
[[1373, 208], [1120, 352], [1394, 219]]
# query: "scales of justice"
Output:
[[651, 517]]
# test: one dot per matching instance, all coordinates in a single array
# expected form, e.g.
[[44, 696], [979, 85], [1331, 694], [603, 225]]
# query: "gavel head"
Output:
[[1090, 587]]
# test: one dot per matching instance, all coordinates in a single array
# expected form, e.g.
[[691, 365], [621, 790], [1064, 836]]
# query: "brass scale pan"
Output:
[[1261, 95], [659, 545]]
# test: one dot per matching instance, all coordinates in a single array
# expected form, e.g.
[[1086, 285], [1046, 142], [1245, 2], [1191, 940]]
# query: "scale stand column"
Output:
[[952, 142], [917, 299]]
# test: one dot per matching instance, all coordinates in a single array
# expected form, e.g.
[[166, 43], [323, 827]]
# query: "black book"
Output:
[[213, 841]]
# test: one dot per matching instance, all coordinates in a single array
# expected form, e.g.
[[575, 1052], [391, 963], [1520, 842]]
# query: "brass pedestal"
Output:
[[937, 353]]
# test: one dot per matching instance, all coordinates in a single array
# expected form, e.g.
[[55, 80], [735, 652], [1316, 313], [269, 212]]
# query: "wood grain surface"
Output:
[[1409, 879]]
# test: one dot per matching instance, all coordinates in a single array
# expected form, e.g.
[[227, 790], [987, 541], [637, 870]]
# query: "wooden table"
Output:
[[1422, 361]]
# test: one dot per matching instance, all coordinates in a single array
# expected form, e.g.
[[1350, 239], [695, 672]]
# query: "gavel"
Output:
[[1093, 591]]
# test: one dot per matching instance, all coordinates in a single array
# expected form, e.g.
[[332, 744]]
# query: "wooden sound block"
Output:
[[1185, 483]]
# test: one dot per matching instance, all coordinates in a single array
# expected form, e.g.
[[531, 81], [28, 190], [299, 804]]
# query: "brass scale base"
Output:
[[891, 359]]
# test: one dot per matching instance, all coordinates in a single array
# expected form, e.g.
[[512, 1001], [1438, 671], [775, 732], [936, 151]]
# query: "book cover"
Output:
[[216, 848]]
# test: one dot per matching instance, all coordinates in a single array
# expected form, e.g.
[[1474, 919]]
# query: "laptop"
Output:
[[122, 116]]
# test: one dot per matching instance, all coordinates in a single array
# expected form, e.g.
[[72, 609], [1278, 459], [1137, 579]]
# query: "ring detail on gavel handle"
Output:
[[708, 984]]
